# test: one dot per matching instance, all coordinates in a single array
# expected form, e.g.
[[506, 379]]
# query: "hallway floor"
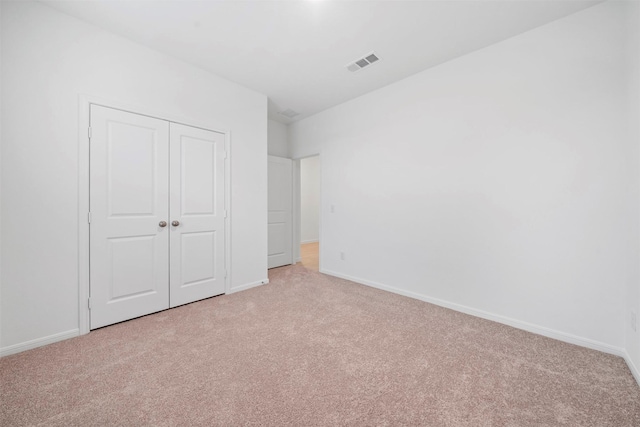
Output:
[[309, 252]]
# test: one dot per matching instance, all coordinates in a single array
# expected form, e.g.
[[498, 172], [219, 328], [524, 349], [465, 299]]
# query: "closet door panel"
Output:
[[129, 250], [197, 242]]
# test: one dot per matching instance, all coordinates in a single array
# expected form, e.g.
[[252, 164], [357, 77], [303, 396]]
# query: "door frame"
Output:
[[84, 104]]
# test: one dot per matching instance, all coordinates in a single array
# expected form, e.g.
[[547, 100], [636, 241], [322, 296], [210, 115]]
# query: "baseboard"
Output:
[[38, 342], [529, 327], [632, 367], [298, 260], [303, 242], [248, 286]]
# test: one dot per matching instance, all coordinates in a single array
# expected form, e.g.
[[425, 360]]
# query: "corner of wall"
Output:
[[632, 337], [277, 141]]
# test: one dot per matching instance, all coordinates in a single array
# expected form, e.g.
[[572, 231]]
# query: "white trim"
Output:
[[295, 209], [323, 201], [304, 242], [530, 327], [84, 122], [83, 208], [38, 342], [295, 249], [248, 286], [227, 203], [632, 367], [152, 112]]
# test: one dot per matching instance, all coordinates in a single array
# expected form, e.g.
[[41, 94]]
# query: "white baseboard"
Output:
[[248, 286], [38, 342], [308, 241], [529, 327], [632, 367]]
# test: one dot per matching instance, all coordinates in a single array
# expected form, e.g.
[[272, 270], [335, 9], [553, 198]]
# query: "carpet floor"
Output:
[[313, 350]]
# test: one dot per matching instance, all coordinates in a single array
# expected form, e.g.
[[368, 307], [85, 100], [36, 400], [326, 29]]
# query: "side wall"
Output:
[[278, 144], [494, 184], [633, 290], [48, 60]]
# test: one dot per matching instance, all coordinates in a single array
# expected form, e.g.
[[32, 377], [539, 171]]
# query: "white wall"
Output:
[[48, 59], [633, 289], [496, 183], [1, 113], [309, 199], [278, 144]]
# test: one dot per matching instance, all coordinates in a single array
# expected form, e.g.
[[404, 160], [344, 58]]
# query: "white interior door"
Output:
[[197, 162], [280, 227], [129, 199], [157, 220]]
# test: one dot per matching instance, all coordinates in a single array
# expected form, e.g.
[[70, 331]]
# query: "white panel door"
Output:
[[280, 225], [197, 225], [129, 200]]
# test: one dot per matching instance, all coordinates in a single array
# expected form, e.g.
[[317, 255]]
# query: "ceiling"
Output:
[[296, 52]]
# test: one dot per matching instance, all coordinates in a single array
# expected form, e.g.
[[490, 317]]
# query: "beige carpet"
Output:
[[309, 350]]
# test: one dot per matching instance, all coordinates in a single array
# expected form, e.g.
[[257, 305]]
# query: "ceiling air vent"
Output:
[[363, 62], [289, 113]]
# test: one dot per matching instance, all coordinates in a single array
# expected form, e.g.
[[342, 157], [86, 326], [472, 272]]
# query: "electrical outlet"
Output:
[[342, 256], [333, 208], [634, 321]]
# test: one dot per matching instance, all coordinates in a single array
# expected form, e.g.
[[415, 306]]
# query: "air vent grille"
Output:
[[363, 62], [372, 58], [289, 113]]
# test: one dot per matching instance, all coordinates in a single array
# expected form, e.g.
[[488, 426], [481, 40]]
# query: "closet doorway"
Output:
[[157, 214]]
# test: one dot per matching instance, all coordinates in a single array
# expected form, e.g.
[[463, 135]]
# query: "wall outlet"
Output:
[[634, 321], [333, 208], [342, 256]]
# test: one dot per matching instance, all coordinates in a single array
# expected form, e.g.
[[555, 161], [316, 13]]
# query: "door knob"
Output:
[[162, 223], [175, 223]]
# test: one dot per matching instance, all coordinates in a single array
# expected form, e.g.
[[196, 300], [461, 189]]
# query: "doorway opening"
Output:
[[310, 212]]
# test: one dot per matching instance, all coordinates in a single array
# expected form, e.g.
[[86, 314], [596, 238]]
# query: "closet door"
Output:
[[129, 203], [197, 206]]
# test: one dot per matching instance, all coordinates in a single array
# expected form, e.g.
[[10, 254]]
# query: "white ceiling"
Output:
[[295, 52]]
